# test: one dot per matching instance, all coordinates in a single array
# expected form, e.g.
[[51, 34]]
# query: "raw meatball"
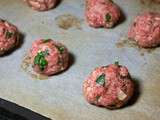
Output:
[[48, 57], [9, 36], [108, 86], [41, 5], [102, 13], [146, 30]]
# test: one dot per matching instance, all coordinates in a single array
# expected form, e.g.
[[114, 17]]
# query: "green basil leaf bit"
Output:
[[46, 52], [61, 49], [97, 97], [43, 63], [46, 40], [37, 59], [116, 63], [108, 17], [9, 34], [40, 59], [101, 80]]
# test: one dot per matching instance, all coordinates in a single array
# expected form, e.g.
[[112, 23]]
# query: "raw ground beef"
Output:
[[9, 36], [146, 30], [102, 13], [108, 86], [42, 5], [48, 57]]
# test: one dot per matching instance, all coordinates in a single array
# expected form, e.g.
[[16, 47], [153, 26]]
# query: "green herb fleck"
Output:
[[61, 49], [97, 97], [37, 59], [101, 80], [43, 61], [46, 52], [116, 63], [40, 59], [46, 40], [9, 34], [108, 17]]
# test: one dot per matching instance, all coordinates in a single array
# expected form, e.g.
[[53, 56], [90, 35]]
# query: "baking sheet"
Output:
[[60, 97]]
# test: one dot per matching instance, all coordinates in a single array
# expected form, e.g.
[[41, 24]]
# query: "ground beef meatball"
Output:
[[9, 36], [48, 57], [146, 30], [41, 5], [102, 13], [108, 86]]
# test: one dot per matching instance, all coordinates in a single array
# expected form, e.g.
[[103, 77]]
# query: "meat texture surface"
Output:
[[108, 86], [42, 5], [48, 57], [9, 36], [102, 13], [146, 30]]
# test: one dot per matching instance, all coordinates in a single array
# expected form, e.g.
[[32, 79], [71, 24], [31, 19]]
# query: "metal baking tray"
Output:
[[60, 97], [12, 111]]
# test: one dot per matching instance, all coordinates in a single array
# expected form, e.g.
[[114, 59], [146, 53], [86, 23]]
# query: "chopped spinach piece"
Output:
[[116, 63], [9, 34], [46, 52], [108, 17], [101, 80], [40, 59], [37, 59], [61, 49], [97, 97]]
